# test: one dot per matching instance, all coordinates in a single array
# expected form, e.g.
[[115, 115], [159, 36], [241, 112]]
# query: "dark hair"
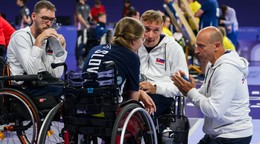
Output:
[[224, 9], [132, 12], [43, 4], [127, 1], [25, 1], [164, 18], [97, 2]]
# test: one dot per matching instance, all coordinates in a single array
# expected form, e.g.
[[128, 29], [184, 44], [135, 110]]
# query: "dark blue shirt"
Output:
[[127, 63], [209, 16]]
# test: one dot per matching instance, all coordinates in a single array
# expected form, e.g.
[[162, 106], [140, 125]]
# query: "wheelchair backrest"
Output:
[[94, 92]]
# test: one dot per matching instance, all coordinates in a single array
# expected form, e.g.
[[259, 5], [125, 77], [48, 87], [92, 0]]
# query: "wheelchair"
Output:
[[20, 117], [92, 111]]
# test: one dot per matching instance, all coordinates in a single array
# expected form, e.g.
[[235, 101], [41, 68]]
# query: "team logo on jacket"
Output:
[[160, 61]]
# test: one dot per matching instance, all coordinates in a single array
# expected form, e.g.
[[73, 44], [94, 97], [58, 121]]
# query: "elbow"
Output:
[[213, 113]]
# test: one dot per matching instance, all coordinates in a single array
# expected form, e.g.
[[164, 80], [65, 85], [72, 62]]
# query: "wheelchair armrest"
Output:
[[35, 77]]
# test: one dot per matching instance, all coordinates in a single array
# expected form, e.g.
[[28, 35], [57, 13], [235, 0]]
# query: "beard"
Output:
[[39, 29]]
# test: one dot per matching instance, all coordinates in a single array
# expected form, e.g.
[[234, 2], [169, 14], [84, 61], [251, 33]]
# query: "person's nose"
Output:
[[49, 23], [196, 50], [149, 34]]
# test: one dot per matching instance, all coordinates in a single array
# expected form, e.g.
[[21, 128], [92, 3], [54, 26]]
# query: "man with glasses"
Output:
[[161, 56], [29, 51]]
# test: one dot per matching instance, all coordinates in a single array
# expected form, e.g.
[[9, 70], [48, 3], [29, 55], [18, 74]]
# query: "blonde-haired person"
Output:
[[127, 39], [228, 45], [160, 56]]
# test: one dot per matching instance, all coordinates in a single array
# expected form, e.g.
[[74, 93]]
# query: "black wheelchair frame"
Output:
[[88, 111], [20, 117]]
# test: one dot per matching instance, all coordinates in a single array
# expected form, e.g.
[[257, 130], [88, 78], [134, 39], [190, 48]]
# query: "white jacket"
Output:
[[164, 60], [224, 99], [23, 56]]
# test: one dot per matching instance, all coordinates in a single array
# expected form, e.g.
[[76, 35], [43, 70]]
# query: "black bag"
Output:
[[174, 127]]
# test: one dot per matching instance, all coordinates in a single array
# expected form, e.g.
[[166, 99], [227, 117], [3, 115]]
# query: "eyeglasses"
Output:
[[47, 19]]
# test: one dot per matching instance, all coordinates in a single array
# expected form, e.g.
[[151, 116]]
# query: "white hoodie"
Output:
[[164, 60], [224, 99]]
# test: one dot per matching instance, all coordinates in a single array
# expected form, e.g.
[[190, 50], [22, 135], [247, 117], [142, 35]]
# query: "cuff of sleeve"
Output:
[[193, 93], [158, 89]]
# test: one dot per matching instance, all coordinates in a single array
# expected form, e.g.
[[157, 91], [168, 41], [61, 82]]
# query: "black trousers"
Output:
[[163, 104], [208, 140]]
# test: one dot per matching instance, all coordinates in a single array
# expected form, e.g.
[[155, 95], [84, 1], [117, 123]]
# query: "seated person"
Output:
[[160, 57], [126, 41], [29, 51]]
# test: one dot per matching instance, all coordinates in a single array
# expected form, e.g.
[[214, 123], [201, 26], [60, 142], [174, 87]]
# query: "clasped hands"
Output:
[[50, 32], [183, 85]]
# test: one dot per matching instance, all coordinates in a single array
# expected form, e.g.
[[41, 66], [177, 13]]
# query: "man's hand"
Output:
[[44, 35], [183, 85], [62, 41], [147, 87]]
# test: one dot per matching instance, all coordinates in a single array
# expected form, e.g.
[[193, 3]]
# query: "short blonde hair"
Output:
[[152, 16]]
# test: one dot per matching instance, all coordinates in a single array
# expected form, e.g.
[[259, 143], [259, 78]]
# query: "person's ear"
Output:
[[217, 46], [33, 16]]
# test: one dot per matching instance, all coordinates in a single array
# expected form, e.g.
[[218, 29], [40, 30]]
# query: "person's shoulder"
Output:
[[168, 39], [22, 31]]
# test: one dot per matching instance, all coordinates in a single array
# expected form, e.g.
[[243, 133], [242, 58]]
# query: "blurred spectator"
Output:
[[101, 28], [228, 45], [208, 14], [24, 18], [127, 7], [6, 30], [166, 25], [230, 22], [134, 14], [194, 6], [82, 16], [97, 9]]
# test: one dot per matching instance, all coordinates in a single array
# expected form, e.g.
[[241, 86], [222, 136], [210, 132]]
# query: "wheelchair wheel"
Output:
[[19, 117], [51, 131], [133, 125]]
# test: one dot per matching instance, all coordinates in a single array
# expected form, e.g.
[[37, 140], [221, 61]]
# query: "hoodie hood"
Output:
[[232, 58]]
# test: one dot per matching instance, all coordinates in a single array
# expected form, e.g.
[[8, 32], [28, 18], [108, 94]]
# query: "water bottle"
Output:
[[55, 45], [167, 136]]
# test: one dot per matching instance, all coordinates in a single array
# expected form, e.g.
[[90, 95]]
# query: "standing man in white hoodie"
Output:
[[223, 97], [160, 56]]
